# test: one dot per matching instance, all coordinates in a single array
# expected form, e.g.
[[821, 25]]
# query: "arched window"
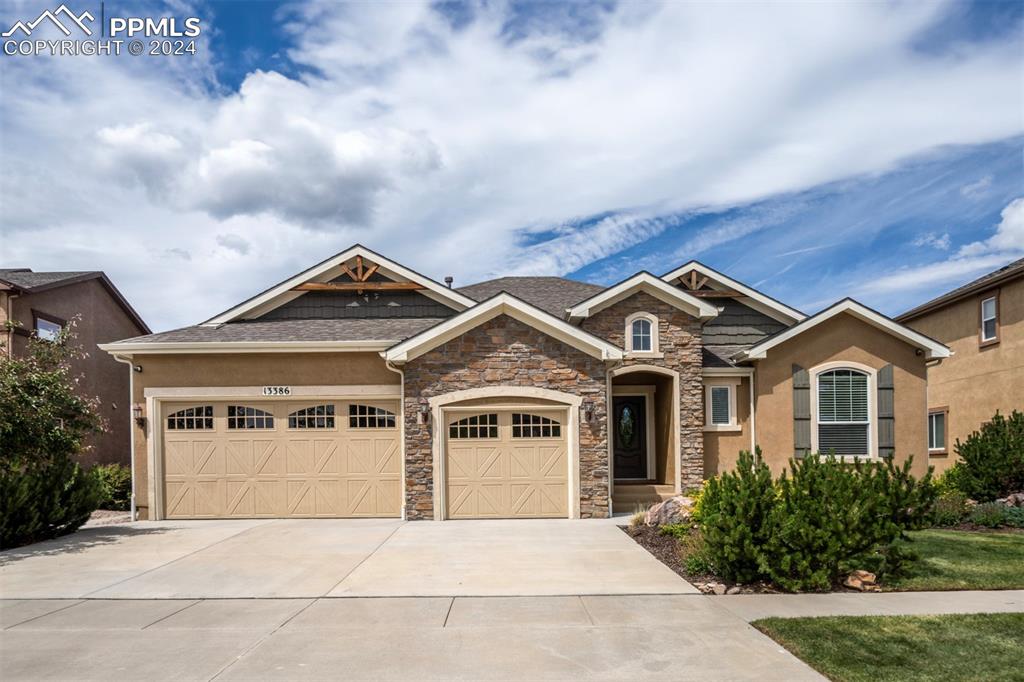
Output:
[[370, 417], [314, 417], [642, 333], [477, 426], [199, 418], [526, 425], [245, 417], [843, 412]]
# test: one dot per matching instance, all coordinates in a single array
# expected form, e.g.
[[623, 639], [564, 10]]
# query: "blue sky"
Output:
[[814, 151]]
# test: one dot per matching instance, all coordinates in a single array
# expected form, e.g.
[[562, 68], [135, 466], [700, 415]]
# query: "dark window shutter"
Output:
[[886, 413], [801, 411]]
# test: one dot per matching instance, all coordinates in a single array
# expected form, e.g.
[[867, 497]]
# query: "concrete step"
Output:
[[628, 497]]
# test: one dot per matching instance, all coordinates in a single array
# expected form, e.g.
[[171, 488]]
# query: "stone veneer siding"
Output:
[[679, 340], [505, 352]]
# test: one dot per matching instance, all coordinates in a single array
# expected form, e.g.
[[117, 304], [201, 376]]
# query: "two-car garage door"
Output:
[[244, 459]]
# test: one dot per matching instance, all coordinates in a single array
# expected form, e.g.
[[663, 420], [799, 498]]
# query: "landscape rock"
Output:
[[718, 588], [733, 590], [1012, 500], [676, 509], [863, 581]]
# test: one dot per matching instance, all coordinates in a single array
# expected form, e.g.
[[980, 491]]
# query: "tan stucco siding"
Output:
[[249, 369], [101, 320], [978, 380], [722, 447], [843, 338]]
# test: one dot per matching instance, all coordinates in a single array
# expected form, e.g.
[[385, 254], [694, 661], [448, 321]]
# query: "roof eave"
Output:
[[213, 347]]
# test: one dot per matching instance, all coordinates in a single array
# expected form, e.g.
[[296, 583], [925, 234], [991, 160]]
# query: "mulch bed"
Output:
[[666, 549]]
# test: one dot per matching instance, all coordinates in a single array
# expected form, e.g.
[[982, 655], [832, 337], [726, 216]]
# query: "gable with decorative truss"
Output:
[[356, 283]]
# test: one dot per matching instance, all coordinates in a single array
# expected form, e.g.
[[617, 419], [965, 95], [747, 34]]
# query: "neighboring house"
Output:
[[41, 303], [362, 388], [983, 323]]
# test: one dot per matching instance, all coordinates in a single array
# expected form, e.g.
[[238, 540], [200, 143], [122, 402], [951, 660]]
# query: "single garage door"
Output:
[[244, 459], [506, 464]]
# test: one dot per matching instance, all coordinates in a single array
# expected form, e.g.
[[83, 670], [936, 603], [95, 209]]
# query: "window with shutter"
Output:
[[843, 421]]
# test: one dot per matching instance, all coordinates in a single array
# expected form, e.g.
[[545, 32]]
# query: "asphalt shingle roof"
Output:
[[387, 329], [551, 294], [26, 279], [1007, 270]]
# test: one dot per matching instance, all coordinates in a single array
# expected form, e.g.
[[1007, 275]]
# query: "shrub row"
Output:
[[821, 518], [990, 463], [41, 500]]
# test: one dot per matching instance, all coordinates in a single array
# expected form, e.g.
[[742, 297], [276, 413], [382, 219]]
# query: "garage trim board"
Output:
[[157, 401]]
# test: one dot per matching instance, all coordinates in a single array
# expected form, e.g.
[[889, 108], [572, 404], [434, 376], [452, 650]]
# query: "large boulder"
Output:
[[1013, 500], [676, 509]]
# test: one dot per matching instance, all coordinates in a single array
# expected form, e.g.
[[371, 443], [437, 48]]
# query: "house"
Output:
[[40, 304], [983, 322], [362, 388]]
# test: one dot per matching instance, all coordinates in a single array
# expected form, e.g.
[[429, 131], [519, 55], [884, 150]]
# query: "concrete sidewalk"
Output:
[[751, 607], [682, 637]]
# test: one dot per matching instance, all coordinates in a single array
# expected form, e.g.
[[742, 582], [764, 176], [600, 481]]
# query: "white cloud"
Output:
[[931, 239], [971, 260], [232, 242], [442, 146], [1009, 236], [978, 188]]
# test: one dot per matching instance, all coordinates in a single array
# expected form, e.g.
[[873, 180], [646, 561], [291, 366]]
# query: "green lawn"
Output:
[[906, 648], [958, 560]]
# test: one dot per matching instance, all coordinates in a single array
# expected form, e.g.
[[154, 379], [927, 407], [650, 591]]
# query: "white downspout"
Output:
[[131, 423], [753, 423], [401, 429]]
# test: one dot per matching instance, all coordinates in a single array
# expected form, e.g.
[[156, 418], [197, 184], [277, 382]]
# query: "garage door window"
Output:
[[315, 417], [245, 417], [477, 426], [370, 417], [199, 418], [534, 426]]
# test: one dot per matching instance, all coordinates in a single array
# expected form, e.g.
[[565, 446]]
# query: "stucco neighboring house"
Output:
[[41, 303], [983, 322], [362, 388]]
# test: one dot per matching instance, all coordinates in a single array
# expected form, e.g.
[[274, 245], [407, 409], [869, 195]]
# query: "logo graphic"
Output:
[[27, 28]]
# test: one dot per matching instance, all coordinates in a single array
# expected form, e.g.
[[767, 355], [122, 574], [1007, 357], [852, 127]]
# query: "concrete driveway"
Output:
[[365, 599], [307, 558]]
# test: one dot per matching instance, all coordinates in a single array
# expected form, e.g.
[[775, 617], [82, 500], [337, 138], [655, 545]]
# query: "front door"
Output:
[[629, 430]]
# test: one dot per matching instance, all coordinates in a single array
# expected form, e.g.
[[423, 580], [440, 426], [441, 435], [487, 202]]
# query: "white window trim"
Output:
[[994, 318], [945, 430], [872, 406], [655, 351], [732, 383]]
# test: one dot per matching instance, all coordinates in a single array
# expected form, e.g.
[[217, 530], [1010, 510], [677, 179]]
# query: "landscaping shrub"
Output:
[[734, 518], [950, 508], [991, 460], [988, 514], [831, 514], [115, 482], [44, 422], [44, 500], [1014, 516]]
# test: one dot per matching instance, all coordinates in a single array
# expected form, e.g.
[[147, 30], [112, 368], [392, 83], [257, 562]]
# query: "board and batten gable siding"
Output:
[[738, 324], [504, 352], [844, 338], [243, 369]]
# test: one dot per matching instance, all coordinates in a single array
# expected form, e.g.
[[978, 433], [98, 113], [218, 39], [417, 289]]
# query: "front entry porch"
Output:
[[643, 437]]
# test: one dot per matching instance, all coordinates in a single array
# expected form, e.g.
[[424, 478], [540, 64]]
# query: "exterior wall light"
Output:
[[588, 411], [423, 415], [140, 418]]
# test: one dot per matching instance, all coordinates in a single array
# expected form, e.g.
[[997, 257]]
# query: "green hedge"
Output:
[[820, 519], [991, 461], [41, 500]]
